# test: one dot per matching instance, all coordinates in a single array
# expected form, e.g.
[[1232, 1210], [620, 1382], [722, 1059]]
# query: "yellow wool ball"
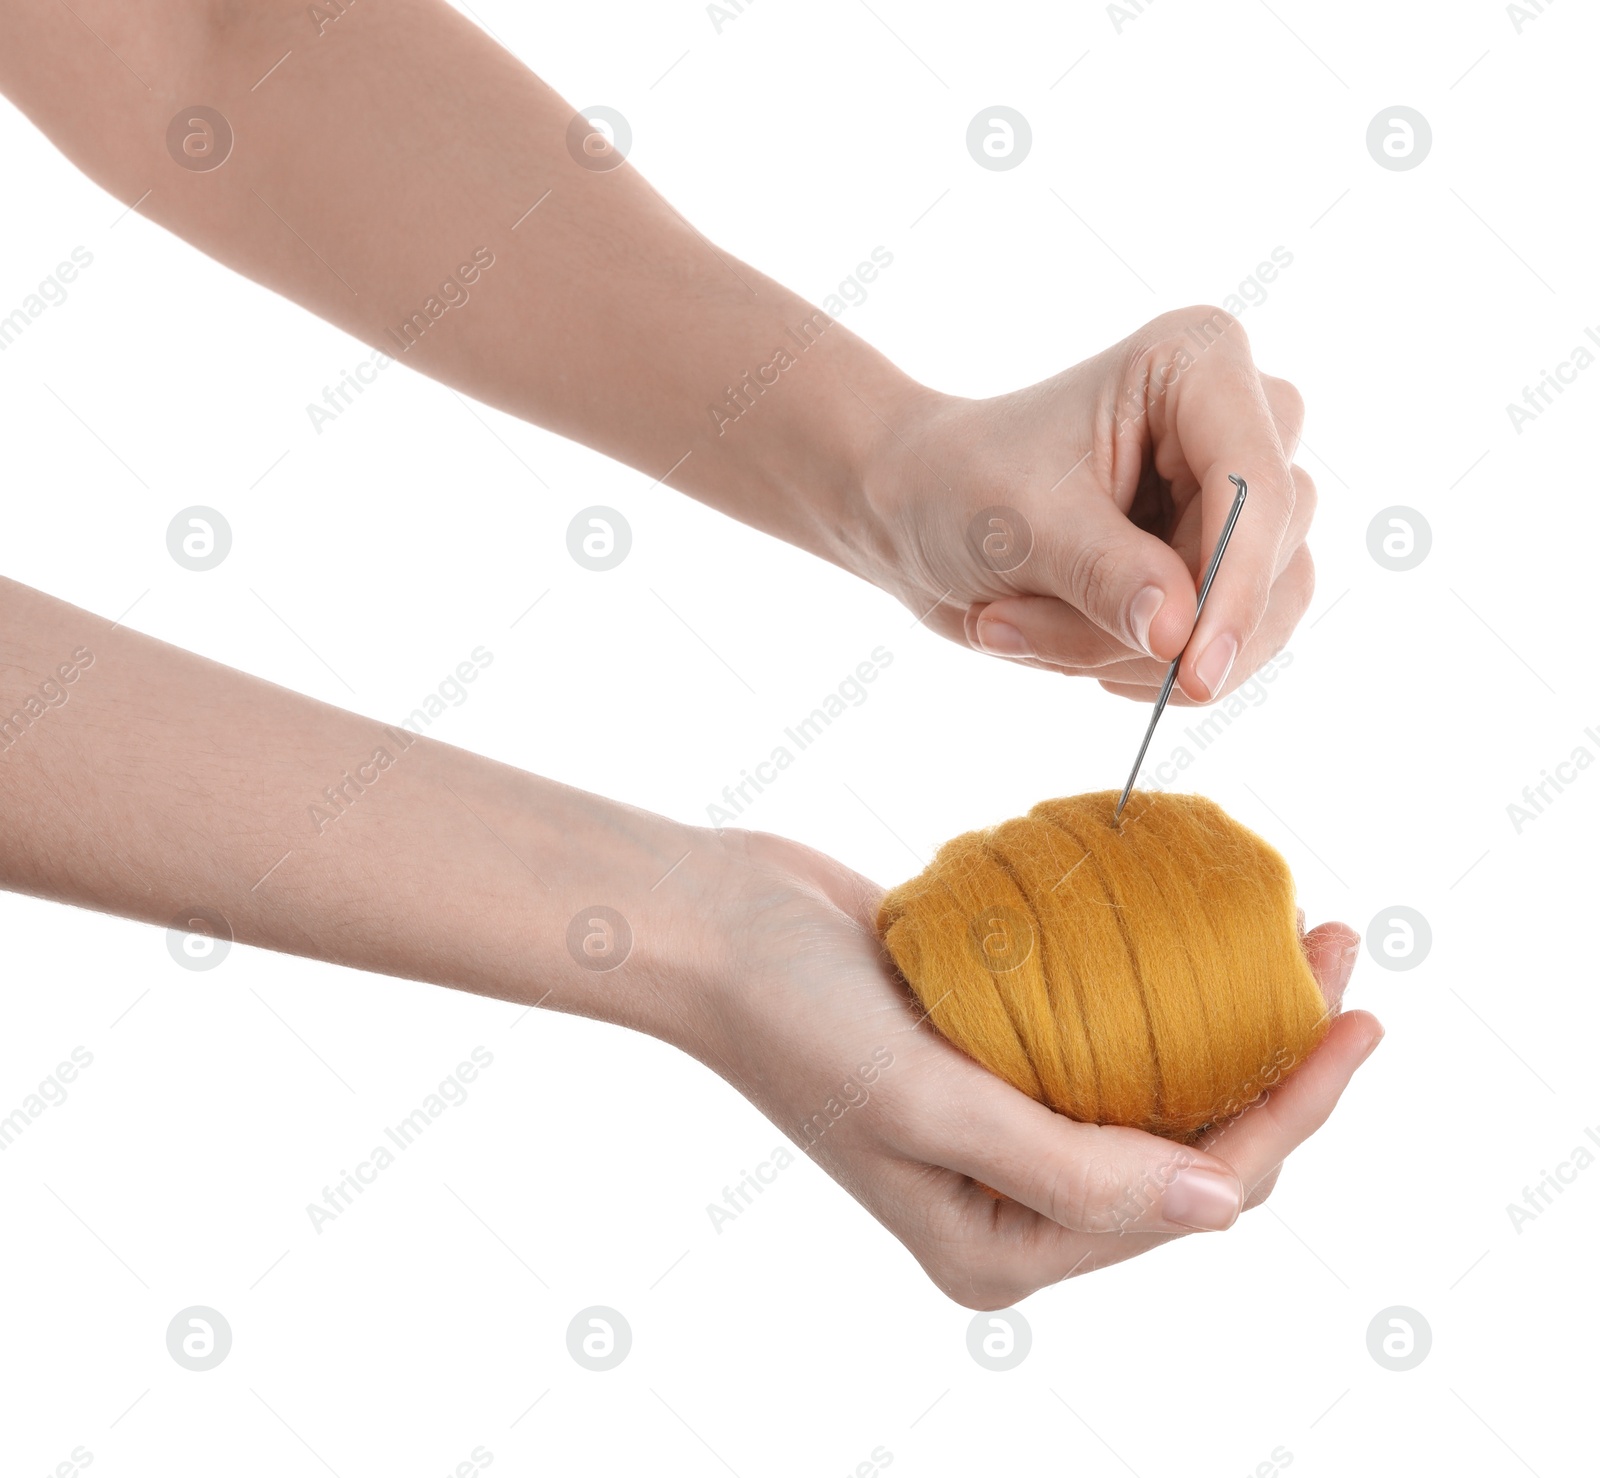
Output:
[[1145, 972]]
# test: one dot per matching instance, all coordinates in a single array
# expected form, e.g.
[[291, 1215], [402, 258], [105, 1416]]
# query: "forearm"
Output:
[[143, 780], [384, 152]]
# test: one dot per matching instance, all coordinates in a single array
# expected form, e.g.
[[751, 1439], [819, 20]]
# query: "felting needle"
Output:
[[1199, 605]]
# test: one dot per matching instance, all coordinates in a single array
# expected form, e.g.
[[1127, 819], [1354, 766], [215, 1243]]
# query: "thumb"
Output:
[[1091, 1177], [1128, 583]]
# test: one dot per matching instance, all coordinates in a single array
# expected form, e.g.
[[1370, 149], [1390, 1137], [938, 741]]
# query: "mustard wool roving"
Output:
[[1145, 972]]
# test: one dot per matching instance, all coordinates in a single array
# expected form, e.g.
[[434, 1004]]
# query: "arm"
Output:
[[382, 154], [143, 780], [380, 161]]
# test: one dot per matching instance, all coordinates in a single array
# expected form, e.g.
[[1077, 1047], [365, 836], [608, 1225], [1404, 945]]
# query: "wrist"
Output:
[[917, 474], [809, 457], [901, 462]]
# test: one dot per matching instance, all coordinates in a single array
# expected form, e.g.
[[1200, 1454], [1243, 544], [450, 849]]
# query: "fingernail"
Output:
[[1142, 613], [1374, 1047], [1201, 1199], [1347, 962], [1003, 639], [1215, 663]]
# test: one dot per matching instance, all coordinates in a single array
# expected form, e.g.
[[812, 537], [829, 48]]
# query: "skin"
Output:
[[382, 152], [162, 781], [750, 952]]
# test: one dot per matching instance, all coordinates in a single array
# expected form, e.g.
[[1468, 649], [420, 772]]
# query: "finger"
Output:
[[1288, 411], [1331, 950], [1263, 1187], [1300, 518], [1052, 633], [987, 1253], [945, 620], [1084, 1177], [1220, 423], [1185, 535], [1132, 585], [1291, 598], [1265, 1134]]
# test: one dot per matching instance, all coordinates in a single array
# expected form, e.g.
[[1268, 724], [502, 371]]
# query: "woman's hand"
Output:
[[814, 1028], [1061, 525], [1064, 525]]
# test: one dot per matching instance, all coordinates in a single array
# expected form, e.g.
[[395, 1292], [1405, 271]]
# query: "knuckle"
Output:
[[988, 1293], [1196, 328], [1088, 1193], [924, 1137], [1091, 574], [1263, 1191], [969, 1280], [1210, 323], [1287, 403], [1305, 498], [1302, 572]]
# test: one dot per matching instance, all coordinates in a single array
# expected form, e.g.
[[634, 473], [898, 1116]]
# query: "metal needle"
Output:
[[1199, 605]]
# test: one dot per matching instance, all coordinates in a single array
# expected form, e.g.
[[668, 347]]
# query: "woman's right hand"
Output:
[[814, 1027]]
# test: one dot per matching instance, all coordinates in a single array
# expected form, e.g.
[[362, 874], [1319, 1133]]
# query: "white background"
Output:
[[1175, 156]]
